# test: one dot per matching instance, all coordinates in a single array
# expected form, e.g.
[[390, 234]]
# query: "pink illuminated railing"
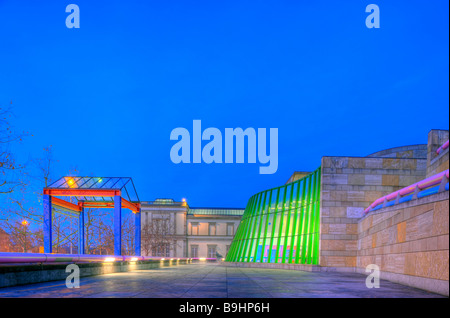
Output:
[[71, 258], [444, 146], [414, 188]]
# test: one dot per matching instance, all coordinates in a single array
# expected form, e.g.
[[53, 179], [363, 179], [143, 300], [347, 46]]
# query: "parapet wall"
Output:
[[409, 242]]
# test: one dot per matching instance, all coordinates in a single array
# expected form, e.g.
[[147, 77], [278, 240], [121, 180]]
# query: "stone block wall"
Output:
[[413, 151], [349, 185], [409, 242], [437, 163]]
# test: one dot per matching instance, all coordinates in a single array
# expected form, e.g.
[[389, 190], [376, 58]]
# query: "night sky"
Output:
[[106, 96]]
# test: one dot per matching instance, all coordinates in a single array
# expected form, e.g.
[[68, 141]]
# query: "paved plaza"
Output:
[[217, 281]]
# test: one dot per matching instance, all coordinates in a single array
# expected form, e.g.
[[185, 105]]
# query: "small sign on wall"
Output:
[[354, 212]]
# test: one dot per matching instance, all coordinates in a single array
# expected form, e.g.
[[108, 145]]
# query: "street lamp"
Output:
[[25, 225]]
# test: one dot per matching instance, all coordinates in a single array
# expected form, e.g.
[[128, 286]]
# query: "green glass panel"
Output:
[[281, 225]]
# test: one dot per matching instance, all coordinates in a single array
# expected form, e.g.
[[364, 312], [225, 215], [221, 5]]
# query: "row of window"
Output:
[[212, 229]]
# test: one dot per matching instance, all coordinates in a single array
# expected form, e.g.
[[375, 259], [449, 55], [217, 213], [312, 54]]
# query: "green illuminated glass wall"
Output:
[[281, 225]]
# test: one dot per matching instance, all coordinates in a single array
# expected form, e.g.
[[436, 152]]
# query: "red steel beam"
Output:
[[97, 204], [132, 206], [125, 204], [65, 204], [82, 192]]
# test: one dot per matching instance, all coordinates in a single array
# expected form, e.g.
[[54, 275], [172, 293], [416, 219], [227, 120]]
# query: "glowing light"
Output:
[[110, 259], [134, 259], [162, 259], [202, 259], [24, 222], [171, 259]]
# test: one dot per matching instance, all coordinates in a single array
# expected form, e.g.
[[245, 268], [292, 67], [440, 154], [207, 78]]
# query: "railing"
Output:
[[444, 146], [74, 258], [431, 185]]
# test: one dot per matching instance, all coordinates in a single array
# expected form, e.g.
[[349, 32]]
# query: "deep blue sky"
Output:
[[107, 95]]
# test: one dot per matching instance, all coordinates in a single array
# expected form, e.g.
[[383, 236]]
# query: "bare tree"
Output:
[[22, 238], [98, 232], [158, 237], [128, 235], [11, 172]]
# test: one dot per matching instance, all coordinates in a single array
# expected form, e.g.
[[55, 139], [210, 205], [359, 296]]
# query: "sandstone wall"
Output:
[[349, 185], [409, 242]]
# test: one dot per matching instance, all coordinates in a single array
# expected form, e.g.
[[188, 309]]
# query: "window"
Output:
[[211, 251], [161, 251], [194, 251], [194, 228], [212, 229], [230, 229]]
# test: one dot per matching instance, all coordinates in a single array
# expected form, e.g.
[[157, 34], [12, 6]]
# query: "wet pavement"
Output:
[[216, 281]]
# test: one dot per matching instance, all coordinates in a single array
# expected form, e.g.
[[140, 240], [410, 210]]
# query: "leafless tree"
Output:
[[22, 238], [158, 236], [99, 236], [128, 235], [11, 172]]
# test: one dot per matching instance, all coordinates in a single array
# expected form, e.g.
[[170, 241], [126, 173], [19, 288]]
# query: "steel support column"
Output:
[[117, 225], [81, 245], [47, 202], [137, 233]]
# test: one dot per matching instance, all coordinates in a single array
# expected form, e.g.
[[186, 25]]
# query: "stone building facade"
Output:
[[189, 232]]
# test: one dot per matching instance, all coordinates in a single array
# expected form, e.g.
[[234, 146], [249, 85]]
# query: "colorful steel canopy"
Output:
[[94, 192]]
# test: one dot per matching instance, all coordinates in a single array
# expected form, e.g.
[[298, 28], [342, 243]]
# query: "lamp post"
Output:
[[25, 225]]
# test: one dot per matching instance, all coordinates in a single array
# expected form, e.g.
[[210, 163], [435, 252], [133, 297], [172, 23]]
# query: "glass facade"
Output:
[[281, 225]]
